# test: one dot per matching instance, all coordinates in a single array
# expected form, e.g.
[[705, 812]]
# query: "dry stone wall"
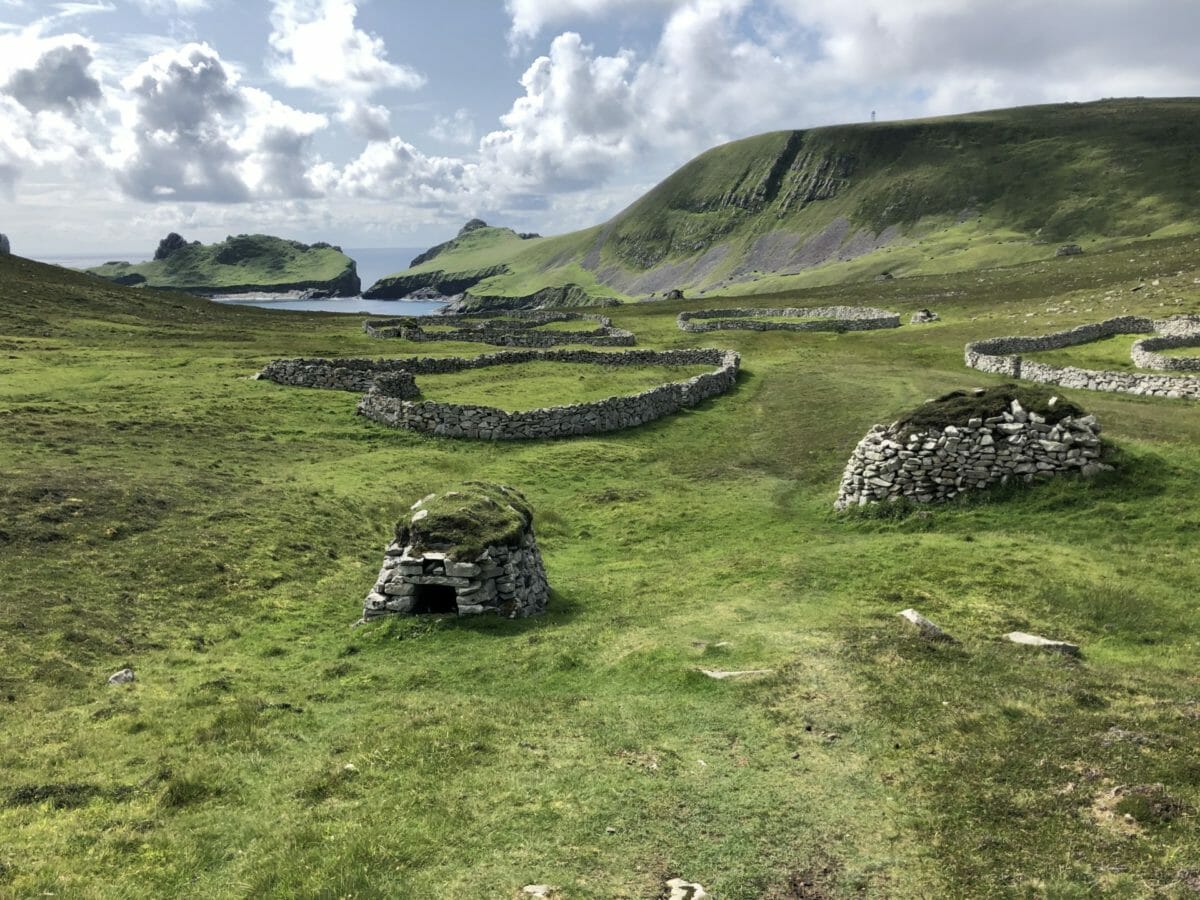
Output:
[[820, 318], [1002, 356], [611, 414], [525, 332], [391, 391], [937, 464]]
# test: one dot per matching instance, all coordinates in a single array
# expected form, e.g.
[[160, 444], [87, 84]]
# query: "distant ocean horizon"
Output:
[[373, 262]]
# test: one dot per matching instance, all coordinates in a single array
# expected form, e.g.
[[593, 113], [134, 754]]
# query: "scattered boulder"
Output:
[[923, 317], [540, 891], [675, 294], [473, 225], [884, 276], [5, 246], [1069, 250], [172, 243], [680, 889], [1041, 643], [125, 676], [928, 629]]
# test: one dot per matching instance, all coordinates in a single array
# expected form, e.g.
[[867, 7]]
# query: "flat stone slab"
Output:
[[928, 629], [1041, 643], [720, 675]]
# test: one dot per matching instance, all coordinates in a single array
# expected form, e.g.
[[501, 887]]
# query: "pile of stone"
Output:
[[923, 317], [467, 552], [517, 328], [392, 391], [817, 318], [1002, 356], [936, 464]]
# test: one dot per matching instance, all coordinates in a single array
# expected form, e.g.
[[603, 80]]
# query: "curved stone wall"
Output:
[[399, 410], [488, 329], [937, 464], [1145, 355], [830, 318], [1001, 356]]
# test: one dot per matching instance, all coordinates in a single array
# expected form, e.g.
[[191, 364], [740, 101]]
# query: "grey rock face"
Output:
[[936, 464]]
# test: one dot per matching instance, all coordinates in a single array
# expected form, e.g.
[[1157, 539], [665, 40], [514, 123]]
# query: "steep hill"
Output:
[[821, 206], [247, 262], [478, 252]]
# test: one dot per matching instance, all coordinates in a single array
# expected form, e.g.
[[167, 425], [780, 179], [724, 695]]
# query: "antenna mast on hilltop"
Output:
[[872, 115]]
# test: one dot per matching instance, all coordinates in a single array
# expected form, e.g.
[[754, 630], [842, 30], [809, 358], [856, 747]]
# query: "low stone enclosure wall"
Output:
[[931, 464], [466, 552], [1001, 356], [391, 388], [488, 328], [828, 318]]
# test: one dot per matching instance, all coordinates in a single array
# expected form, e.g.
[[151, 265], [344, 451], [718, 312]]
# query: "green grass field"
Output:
[[160, 509]]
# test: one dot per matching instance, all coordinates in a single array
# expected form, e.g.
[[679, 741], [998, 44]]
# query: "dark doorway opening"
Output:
[[435, 600]]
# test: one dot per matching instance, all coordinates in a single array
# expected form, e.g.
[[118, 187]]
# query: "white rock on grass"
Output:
[[543, 891], [720, 675], [686, 890], [125, 676], [1041, 643], [928, 629]]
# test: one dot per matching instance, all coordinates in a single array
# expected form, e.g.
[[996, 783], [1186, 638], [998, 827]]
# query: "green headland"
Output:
[[241, 264]]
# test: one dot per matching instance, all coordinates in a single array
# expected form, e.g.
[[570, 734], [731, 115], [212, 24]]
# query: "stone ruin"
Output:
[[470, 551], [5, 246], [817, 318], [968, 441], [514, 328], [923, 317]]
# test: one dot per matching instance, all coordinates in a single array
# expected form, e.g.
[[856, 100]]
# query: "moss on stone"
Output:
[[465, 521], [959, 407]]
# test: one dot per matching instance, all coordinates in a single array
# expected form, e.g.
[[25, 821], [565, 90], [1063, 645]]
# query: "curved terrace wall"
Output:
[[391, 403], [489, 330], [1001, 356], [831, 318]]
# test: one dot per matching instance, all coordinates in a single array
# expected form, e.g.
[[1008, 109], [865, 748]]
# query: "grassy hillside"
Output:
[[247, 262], [828, 205], [162, 510]]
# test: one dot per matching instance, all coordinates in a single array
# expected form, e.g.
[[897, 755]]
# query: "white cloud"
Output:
[[531, 17], [317, 46], [458, 128], [192, 132]]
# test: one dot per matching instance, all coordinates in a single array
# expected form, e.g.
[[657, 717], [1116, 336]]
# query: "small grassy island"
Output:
[[241, 264]]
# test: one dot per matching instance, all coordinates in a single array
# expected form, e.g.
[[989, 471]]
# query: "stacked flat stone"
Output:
[[1002, 357], [391, 399], [486, 329], [506, 579], [934, 465], [818, 318]]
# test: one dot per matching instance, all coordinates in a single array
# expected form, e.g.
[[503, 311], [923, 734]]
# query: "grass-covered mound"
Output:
[[959, 407], [465, 521], [828, 205], [247, 262]]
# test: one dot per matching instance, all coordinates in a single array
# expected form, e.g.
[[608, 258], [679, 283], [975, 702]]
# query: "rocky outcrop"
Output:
[[1069, 250], [923, 317], [446, 284], [435, 567], [938, 463], [818, 318], [170, 244], [5, 246]]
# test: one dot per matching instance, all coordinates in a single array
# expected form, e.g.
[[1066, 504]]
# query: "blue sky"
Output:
[[372, 123]]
